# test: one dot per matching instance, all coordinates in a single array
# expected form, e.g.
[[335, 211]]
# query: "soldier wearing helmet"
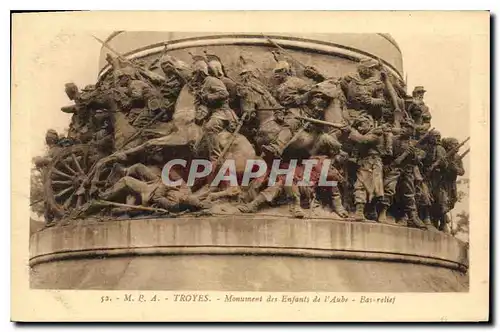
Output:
[[435, 156], [369, 186], [53, 148], [419, 111], [212, 104], [446, 194], [364, 90], [177, 73], [217, 69], [399, 177]]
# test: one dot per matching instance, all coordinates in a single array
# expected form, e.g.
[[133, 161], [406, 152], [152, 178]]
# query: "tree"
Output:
[[461, 225], [36, 193]]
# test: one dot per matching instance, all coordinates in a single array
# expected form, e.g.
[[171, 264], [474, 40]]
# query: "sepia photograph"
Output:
[[243, 167]]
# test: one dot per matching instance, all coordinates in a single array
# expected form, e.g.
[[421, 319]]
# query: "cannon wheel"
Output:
[[66, 181]]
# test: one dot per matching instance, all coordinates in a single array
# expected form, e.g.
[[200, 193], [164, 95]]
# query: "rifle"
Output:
[[393, 96], [405, 154], [466, 152], [163, 52], [137, 207], [284, 51], [448, 155], [326, 123], [233, 138], [143, 71]]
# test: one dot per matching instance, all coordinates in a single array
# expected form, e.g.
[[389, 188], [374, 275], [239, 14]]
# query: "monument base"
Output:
[[247, 253]]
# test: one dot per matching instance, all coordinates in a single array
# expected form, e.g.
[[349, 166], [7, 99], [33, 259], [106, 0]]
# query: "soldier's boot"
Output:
[[403, 222], [414, 221], [382, 216], [427, 220], [443, 225], [338, 208], [254, 205], [296, 210], [359, 215]]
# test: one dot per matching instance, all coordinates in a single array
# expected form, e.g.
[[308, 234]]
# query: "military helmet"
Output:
[[71, 90], [435, 134], [211, 57], [177, 64], [51, 136], [167, 59], [199, 63], [418, 89], [449, 143], [215, 65]]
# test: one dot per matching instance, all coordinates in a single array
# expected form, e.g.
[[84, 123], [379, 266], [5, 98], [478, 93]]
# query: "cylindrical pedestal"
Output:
[[241, 253]]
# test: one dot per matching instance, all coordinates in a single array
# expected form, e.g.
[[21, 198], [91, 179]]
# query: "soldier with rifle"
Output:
[[291, 93], [401, 170], [369, 186], [258, 108], [395, 112], [218, 70], [86, 103], [364, 90], [212, 104], [446, 195], [433, 162], [419, 111]]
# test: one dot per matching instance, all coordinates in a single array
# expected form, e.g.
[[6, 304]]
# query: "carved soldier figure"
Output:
[[292, 93], [419, 112], [334, 174], [146, 104], [143, 186], [269, 194], [103, 138], [217, 69], [435, 155], [400, 170], [289, 92], [212, 103], [258, 106], [325, 102], [369, 184], [364, 90], [53, 148], [80, 128], [177, 73], [448, 195]]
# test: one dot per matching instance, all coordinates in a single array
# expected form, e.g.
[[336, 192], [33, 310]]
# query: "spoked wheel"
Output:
[[67, 182]]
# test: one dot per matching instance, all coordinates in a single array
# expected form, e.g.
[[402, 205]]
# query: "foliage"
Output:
[[461, 224]]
